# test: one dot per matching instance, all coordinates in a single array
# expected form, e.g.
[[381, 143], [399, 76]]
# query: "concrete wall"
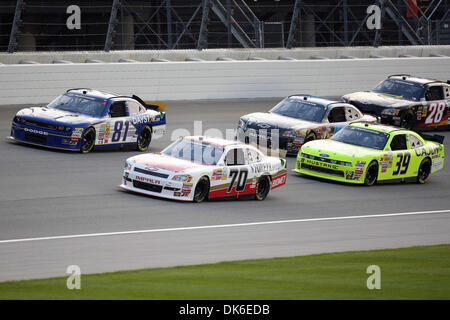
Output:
[[38, 83]]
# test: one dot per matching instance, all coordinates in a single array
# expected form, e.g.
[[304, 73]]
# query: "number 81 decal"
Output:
[[436, 113], [402, 163]]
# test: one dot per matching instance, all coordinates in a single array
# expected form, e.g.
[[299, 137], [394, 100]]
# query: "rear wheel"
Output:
[[144, 138], [262, 188], [87, 140], [371, 174], [424, 171], [408, 120], [201, 189]]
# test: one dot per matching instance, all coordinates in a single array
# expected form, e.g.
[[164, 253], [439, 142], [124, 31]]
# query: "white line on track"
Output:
[[246, 224]]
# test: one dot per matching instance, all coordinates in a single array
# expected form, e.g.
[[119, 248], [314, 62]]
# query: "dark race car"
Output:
[[296, 120], [406, 101], [83, 119]]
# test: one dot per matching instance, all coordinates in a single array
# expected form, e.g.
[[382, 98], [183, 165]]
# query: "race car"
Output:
[[84, 119], [195, 168], [368, 153], [296, 120], [406, 101]]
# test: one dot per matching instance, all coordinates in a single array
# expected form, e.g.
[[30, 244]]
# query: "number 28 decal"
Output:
[[436, 113], [241, 177], [402, 163]]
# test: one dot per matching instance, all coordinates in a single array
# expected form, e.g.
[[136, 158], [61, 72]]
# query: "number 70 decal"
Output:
[[241, 177]]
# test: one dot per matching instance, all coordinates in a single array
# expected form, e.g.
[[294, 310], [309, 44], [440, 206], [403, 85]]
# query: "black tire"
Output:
[[87, 140], [371, 174], [310, 137], [408, 120], [144, 139], [424, 171], [201, 190], [262, 188]]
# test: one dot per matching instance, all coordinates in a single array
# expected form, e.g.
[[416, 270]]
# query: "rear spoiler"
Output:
[[154, 105], [435, 137]]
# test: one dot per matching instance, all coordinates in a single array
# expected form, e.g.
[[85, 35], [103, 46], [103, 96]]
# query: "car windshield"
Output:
[[362, 137], [300, 109], [195, 151], [400, 89], [79, 104]]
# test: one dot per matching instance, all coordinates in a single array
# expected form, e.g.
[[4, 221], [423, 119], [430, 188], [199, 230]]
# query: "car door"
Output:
[[437, 106], [116, 129], [238, 174], [401, 157]]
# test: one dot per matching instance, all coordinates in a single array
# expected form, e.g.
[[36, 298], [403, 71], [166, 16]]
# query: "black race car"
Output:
[[296, 120], [406, 101]]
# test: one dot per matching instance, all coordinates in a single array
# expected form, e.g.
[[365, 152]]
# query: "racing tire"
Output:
[[424, 171], [408, 120], [262, 188], [201, 190], [310, 137], [371, 174], [87, 140], [144, 139]]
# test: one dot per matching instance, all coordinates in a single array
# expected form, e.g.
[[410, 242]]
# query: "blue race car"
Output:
[[83, 119]]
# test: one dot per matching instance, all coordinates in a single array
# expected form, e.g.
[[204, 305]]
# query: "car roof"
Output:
[[314, 99], [214, 141], [418, 80], [94, 93], [378, 127]]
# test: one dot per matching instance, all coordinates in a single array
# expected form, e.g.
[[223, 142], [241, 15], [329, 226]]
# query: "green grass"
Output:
[[411, 273]]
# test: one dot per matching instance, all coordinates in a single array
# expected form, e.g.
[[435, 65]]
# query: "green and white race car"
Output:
[[366, 153]]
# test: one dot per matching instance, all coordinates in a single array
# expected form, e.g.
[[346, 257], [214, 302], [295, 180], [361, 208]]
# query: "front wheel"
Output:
[[424, 171], [371, 174], [201, 190], [87, 140], [408, 120], [262, 188], [144, 139]]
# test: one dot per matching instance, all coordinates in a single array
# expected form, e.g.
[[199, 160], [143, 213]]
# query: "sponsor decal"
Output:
[[186, 189], [349, 175], [77, 132], [148, 180], [143, 118], [177, 194], [427, 151], [359, 169], [321, 164], [219, 174], [36, 131], [279, 181], [151, 169], [437, 164]]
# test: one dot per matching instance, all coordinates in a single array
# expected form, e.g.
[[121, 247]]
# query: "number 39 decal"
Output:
[[402, 163]]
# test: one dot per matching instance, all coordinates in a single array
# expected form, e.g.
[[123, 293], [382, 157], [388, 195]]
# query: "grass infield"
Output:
[[409, 273]]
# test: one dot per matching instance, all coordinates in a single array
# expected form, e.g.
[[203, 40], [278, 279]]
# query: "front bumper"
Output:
[[326, 170], [156, 186], [44, 137]]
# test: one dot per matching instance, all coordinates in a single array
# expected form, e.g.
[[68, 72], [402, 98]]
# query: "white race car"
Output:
[[196, 168]]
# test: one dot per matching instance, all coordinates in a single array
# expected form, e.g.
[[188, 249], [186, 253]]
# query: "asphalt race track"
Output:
[[61, 208]]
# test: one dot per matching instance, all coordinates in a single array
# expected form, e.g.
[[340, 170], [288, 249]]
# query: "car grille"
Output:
[[332, 172], [34, 123], [147, 186], [36, 138], [151, 173]]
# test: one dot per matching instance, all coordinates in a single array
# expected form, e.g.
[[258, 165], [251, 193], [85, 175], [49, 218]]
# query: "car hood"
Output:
[[374, 98], [274, 121], [159, 161], [55, 115], [336, 149]]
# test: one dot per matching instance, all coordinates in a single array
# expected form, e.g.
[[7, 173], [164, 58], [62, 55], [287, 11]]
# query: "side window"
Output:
[[434, 93], [414, 142], [337, 114], [447, 92], [253, 156], [235, 157], [118, 109], [351, 114], [399, 142], [134, 107]]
